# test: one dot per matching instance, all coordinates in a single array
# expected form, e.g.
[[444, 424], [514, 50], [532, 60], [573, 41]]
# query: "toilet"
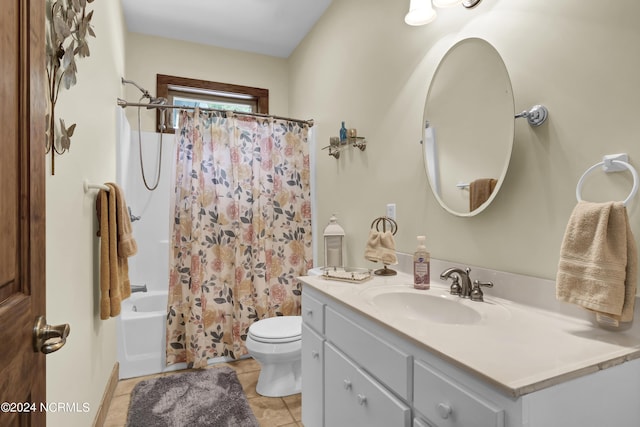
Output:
[[276, 344]]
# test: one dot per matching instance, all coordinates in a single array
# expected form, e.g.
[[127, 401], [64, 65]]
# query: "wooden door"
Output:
[[22, 210]]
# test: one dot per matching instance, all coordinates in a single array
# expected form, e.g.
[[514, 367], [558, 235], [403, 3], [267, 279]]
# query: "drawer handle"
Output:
[[315, 354], [444, 410], [362, 399], [309, 312], [347, 384]]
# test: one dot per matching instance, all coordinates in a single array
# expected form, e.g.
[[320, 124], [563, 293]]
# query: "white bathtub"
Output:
[[141, 330], [141, 334]]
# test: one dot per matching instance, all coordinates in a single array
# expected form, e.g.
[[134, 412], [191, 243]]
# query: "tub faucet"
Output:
[[461, 282], [138, 288]]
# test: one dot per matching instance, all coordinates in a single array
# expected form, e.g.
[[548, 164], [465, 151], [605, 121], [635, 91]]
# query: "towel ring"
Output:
[[384, 220], [609, 163], [393, 228]]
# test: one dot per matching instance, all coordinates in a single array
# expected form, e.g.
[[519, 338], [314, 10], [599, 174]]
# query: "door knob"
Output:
[[42, 332]]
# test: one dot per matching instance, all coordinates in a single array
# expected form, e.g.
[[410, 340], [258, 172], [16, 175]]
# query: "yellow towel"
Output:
[[126, 243], [479, 192], [598, 265], [116, 245]]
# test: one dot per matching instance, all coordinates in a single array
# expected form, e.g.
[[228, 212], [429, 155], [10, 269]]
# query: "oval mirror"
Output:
[[468, 127]]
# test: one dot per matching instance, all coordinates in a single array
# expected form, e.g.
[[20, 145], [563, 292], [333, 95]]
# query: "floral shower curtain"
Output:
[[241, 231]]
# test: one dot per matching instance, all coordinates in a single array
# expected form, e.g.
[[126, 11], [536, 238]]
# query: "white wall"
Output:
[[150, 266], [363, 65], [80, 370]]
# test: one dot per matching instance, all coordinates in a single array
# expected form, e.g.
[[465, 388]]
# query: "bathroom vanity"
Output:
[[380, 353]]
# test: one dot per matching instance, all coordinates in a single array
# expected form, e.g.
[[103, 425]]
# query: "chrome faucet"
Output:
[[461, 285], [138, 288]]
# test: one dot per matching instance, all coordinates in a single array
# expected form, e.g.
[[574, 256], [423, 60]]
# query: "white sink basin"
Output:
[[426, 307], [434, 305]]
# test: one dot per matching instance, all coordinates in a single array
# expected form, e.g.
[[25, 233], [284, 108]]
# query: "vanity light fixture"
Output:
[[421, 12], [446, 3], [470, 3]]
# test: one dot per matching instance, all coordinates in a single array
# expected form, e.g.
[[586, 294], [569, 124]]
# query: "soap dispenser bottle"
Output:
[[421, 266]]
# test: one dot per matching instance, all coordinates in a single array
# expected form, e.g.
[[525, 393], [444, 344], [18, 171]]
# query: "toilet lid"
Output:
[[277, 329]]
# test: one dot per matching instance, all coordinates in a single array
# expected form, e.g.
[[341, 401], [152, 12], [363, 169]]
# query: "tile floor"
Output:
[[270, 412]]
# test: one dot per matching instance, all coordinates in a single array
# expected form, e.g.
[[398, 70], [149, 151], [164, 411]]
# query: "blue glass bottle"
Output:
[[343, 134]]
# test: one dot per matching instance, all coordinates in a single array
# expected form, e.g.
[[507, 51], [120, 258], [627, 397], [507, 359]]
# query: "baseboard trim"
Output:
[[109, 390]]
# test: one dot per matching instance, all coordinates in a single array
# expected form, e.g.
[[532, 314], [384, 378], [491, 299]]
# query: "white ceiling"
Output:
[[270, 27]]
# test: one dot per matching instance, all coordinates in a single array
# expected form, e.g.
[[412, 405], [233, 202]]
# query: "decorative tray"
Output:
[[346, 274]]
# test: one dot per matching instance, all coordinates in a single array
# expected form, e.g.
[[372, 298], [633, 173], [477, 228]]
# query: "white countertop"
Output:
[[519, 349]]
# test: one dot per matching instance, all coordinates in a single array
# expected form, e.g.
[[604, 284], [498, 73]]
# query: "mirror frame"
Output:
[[510, 122]]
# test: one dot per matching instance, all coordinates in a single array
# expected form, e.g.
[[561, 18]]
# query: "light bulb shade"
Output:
[[446, 3], [420, 13]]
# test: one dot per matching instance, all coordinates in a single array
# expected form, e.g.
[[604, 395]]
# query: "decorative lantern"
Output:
[[333, 243]]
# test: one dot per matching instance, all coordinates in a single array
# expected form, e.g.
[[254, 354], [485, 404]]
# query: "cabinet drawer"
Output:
[[312, 378], [313, 313], [390, 365], [447, 404], [353, 398]]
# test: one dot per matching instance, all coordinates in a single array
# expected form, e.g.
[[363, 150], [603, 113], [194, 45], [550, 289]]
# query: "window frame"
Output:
[[164, 82]]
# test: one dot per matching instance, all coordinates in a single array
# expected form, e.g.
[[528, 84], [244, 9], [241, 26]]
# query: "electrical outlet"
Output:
[[391, 211]]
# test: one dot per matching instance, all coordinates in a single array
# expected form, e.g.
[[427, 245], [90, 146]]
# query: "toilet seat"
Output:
[[280, 329]]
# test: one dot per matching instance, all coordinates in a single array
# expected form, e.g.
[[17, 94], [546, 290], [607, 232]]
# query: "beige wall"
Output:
[[79, 371], [578, 58], [149, 55]]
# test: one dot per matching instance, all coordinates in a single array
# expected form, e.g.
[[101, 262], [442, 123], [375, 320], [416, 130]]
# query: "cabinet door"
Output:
[[353, 398], [312, 378]]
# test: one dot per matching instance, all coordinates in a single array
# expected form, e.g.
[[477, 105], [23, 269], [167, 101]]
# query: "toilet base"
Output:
[[277, 346], [279, 379]]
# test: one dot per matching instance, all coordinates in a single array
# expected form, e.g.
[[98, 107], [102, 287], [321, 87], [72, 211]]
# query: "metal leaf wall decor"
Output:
[[68, 27]]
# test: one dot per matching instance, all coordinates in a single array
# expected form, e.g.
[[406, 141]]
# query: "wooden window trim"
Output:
[[163, 82]]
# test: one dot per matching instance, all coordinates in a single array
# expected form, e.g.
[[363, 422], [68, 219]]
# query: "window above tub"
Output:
[[208, 94]]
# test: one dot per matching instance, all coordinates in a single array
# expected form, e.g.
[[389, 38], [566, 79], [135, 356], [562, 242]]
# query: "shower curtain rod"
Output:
[[124, 104]]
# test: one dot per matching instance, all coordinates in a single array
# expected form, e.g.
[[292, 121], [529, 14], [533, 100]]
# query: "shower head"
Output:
[[145, 93], [153, 101]]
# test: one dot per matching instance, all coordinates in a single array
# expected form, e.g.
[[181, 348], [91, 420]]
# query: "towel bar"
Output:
[[88, 186], [611, 163]]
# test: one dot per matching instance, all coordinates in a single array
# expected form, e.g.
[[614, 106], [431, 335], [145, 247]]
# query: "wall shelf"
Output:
[[336, 145]]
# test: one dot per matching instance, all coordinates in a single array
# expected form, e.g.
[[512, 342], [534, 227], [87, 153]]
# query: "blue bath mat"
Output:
[[208, 397]]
